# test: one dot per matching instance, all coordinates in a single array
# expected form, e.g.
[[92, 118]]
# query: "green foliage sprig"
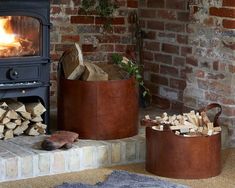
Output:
[[132, 69], [104, 8]]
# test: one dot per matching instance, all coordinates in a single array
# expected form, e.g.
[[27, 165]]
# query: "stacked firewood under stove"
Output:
[[188, 124], [17, 118]]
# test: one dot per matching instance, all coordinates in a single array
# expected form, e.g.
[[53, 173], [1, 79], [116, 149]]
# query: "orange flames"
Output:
[[7, 37]]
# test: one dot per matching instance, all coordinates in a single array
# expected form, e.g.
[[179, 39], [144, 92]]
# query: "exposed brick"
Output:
[[70, 38], [55, 10], [146, 13], [163, 103], [176, 4], [199, 73], [157, 79], [229, 24], [152, 87], [155, 46], [155, 25], [175, 27], [177, 83], [202, 84], [166, 14], [185, 50], [148, 55], [192, 61], [71, 11], [62, 47], [216, 65], [120, 48], [109, 39], [229, 3], [169, 48], [163, 58], [88, 48], [183, 16], [114, 21], [82, 19], [153, 67], [107, 47], [222, 12], [232, 68], [209, 21], [215, 76], [119, 29], [182, 39], [168, 70], [179, 61], [150, 35], [183, 73], [156, 4], [132, 3], [177, 106]]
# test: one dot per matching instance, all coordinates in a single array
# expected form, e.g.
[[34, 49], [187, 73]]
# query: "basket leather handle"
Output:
[[211, 106]]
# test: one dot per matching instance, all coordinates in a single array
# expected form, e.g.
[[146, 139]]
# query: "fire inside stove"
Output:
[[19, 36]]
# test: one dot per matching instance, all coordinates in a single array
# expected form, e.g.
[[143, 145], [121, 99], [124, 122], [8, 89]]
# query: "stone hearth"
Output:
[[21, 157]]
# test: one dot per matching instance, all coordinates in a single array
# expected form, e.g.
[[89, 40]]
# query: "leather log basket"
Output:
[[99, 110], [175, 156]]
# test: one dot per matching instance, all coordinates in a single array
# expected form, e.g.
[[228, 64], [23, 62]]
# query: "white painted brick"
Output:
[[103, 158], [2, 169], [87, 157], [26, 166], [131, 150], [11, 167], [58, 162], [74, 159], [142, 150], [44, 163], [116, 152]]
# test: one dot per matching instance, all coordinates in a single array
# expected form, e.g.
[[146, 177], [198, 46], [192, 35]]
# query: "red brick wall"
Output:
[[211, 66], [165, 48], [70, 26]]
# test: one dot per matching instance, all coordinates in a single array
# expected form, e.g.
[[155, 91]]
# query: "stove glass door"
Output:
[[19, 36]]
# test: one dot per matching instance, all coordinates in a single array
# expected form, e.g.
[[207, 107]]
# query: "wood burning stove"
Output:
[[24, 50]]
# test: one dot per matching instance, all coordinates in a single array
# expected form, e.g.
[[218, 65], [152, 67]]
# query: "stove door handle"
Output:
[[13, 74]]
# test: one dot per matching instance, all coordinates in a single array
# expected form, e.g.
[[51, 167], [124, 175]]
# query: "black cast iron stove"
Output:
[[24, 50]]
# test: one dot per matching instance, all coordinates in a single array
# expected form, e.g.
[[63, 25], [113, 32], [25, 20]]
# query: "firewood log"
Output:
[[36, 109], [93, 72], [8, 134], [41, 127], [205, 118], [21, 128], [25, 115], [17, 121], [32, 131], [3, 104], [10, 125], [2, 128], [18, 130], [5, 120], [2, 113], [16, 106], [217, 129], [37, 119], [72, 62], [1, 136], [11, 114]]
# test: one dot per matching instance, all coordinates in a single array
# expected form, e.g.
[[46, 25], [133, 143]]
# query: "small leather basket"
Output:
[[177, 156]]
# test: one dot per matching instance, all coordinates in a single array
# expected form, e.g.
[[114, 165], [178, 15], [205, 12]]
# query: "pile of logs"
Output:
[[189, 124], [17, 118]]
